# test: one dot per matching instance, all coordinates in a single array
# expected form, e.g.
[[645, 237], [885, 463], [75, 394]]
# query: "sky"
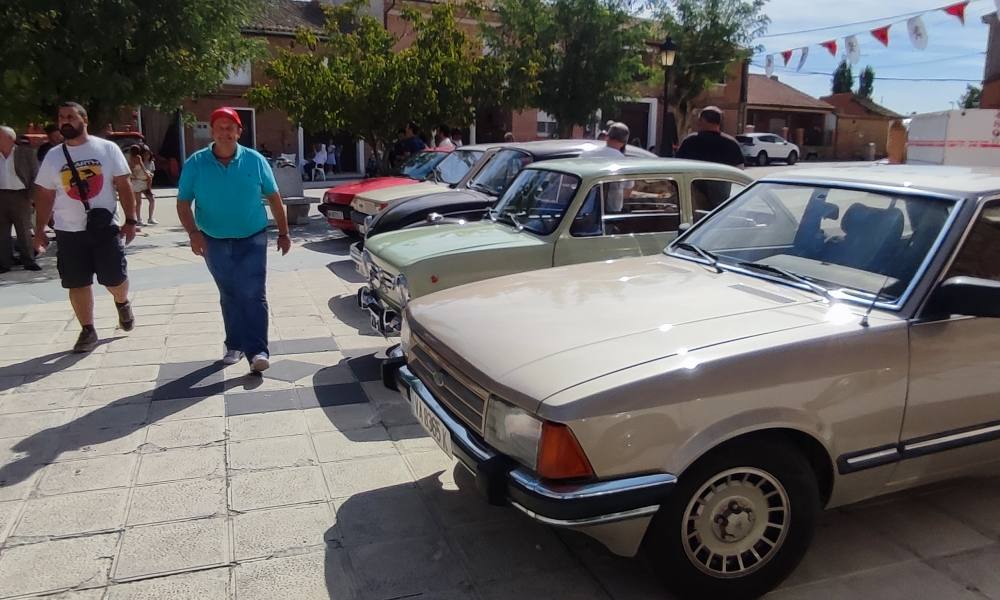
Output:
[[953, 51]]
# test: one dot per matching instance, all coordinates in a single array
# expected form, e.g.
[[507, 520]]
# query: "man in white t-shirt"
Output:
[[88, 232], [615, 194]]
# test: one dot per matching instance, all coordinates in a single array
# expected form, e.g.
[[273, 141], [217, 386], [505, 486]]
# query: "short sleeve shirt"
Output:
[[711, 146], [98, 161], [228, 200]]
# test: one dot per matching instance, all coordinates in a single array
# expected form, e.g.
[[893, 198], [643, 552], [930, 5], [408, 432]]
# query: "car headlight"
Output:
[[403, 286], [513, 431]]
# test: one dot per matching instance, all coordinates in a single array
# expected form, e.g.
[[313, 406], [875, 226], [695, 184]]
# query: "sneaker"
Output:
[[126, 320], [231, 357], [260, 363], [86, 342], [139, 223], [152, 221]]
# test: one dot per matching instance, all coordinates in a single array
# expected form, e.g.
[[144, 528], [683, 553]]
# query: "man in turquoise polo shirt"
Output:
[[228, 227]]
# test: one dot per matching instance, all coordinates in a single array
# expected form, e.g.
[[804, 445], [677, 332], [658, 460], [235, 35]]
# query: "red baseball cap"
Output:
[[225, 113]]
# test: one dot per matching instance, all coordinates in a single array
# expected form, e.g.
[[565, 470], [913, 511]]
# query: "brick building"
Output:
[[860, 122]]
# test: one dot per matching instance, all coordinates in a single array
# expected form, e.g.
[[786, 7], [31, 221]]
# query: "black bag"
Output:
[[99, 220]]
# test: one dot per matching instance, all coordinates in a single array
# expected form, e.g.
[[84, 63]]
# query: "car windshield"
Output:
[[420, 165], [452, 169], [537, 200], [494, 178], [859, 242]]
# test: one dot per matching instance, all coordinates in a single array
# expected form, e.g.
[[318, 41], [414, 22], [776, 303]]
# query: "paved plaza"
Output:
[[149, 470]]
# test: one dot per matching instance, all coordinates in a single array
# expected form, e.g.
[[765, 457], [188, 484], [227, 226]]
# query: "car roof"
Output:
[[598, 167], [544, 148], [949, 180]]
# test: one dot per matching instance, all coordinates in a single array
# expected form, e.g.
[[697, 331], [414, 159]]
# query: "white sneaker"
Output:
[[231, 357], [152, 222], [260, 363]]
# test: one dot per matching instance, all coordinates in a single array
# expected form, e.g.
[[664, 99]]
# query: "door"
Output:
[[248, 139], [622, 218], [954, 395], [708, 194]]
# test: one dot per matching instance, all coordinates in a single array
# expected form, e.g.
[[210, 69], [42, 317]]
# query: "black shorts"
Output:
[[82, 254]]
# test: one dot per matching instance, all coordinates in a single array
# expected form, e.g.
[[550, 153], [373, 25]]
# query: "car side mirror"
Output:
[[967, 296]]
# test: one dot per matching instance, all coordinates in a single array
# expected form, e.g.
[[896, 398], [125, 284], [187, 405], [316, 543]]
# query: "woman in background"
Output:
[[150, 166], [139, 178]]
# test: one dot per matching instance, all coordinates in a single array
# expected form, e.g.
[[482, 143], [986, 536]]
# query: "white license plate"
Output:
[[434, 426], [375, 320], [336, 214]]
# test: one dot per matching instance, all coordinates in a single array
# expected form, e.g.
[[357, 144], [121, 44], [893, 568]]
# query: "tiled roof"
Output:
[[766, 91], [287, 16], [849, 104]]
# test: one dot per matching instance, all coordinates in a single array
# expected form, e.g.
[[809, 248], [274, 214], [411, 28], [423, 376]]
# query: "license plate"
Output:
[[336, 214], [376, 320], [434, 426]]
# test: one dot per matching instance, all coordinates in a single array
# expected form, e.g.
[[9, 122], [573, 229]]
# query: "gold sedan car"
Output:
[[817, 340]]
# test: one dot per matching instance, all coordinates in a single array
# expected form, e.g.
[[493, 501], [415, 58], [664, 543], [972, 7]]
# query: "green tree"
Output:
[[108, 54], [710, 36], [352, 78], [843, 78], [970, 99], [866, 82], [566, 57]]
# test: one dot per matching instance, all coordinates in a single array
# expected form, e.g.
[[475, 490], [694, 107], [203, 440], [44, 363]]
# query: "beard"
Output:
[[69, 132]]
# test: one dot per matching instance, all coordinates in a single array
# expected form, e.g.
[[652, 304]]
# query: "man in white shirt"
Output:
[[615, 194], [18, 167], [88, 233]]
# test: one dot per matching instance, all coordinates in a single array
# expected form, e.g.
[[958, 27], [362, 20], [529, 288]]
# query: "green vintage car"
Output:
[[554, 213]]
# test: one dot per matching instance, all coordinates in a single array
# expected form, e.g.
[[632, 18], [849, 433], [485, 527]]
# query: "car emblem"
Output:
[[438, 377]]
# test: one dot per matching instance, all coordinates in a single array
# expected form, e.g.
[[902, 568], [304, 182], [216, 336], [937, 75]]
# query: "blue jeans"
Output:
[[239, 267]]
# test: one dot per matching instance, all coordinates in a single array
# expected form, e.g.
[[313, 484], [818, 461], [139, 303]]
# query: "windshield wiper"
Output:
[[822, 291], [712, 259], [481, 188]]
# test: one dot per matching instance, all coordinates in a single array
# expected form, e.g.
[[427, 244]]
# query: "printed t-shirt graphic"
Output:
[[98, 161], [90, 171]]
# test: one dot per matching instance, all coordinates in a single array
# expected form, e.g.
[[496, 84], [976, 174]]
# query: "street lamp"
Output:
[[668, 52]]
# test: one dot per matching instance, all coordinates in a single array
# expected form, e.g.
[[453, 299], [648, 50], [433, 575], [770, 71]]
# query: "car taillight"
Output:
[[560, 455]]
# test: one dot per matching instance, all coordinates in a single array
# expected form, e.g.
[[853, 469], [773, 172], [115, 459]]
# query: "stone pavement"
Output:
[[147, 470]]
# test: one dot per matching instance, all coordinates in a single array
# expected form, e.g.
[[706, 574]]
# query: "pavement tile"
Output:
[[300, 346], [976, 569], [187, 408], [118, 394], [263, 489], [24, 424], [112, 415], [263, 533], [195, 328], [331, 375], [905, 581], [62, 380], [8, 511], [253, 426], [34, 401], [212, 584], [88, 474], [138, 343], [418, 567], [240, 381], [182, 463], [431, 469], [366, 475], [133, 358], [367, 367], [413, 438], [976, 503], [68, 514], [363, 343], [143, 310], [334, 446], [87, 442], [187, 499], [187, 432], [202, 317], [246, 403], [331, 395], [392, 408], [54, 326], [315, 576], [42, 337], [82, 562], [552, 584], [340, 418], [25, 351], [170, 547], [292, 370], [193, 353], [271, 453], [133, 374], [387, 514], [159, 332], [92, 594], [497, 551], [212, 339]]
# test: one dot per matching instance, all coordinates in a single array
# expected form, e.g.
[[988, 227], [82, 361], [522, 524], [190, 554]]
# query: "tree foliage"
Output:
[[866, 82], [353, 78], [710, 35], [107, 54], [567, 57], [970, 99], [843, 78]]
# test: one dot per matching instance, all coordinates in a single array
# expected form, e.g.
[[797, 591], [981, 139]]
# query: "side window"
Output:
[[980, 254], [587, 222], [641, 206], [708, 194]]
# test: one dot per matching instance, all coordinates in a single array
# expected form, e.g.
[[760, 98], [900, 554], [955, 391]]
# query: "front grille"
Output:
[[460, 395]]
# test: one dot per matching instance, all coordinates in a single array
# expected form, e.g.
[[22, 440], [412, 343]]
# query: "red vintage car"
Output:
[[336, 205]]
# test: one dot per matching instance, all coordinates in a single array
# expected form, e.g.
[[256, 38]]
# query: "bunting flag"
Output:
[[918, 32], [787, 55], [957, 10], [882, 33], [831, 46], [769, 65], [852, 49], [805, 55]]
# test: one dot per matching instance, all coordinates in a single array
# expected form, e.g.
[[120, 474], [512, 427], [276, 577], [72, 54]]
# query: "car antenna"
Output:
[[864, 319]]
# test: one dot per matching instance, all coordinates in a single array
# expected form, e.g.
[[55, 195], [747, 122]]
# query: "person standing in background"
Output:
[[18, 168]]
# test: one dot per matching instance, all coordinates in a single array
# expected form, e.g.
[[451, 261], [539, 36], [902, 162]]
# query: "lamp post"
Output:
[[667, 53]]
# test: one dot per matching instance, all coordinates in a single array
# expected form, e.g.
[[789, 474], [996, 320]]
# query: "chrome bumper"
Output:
[[503, 481], [384, 320], [359, 266]]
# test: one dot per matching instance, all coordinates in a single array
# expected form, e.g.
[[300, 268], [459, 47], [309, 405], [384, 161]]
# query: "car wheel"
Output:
[[738, 523], [762, 159], [793, 157]]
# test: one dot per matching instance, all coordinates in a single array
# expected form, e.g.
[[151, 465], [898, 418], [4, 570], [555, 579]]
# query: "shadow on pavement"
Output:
[[347, 311], [344, 269], [44, 366]]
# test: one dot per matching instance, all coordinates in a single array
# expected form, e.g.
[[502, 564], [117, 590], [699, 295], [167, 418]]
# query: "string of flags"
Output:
[[915, 28]]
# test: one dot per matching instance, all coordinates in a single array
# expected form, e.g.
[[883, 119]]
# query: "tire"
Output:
[[762, 159], [793, 157], [744, 475]]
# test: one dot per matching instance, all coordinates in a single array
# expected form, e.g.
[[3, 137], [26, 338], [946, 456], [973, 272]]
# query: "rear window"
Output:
[[745, 140]]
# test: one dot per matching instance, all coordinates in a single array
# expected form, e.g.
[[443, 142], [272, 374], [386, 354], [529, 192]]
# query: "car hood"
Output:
[[342, 194], [535, 334], [408, 246], [412, 188]]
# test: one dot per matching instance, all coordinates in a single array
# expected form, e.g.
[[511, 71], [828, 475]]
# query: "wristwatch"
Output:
[[131, 222]]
